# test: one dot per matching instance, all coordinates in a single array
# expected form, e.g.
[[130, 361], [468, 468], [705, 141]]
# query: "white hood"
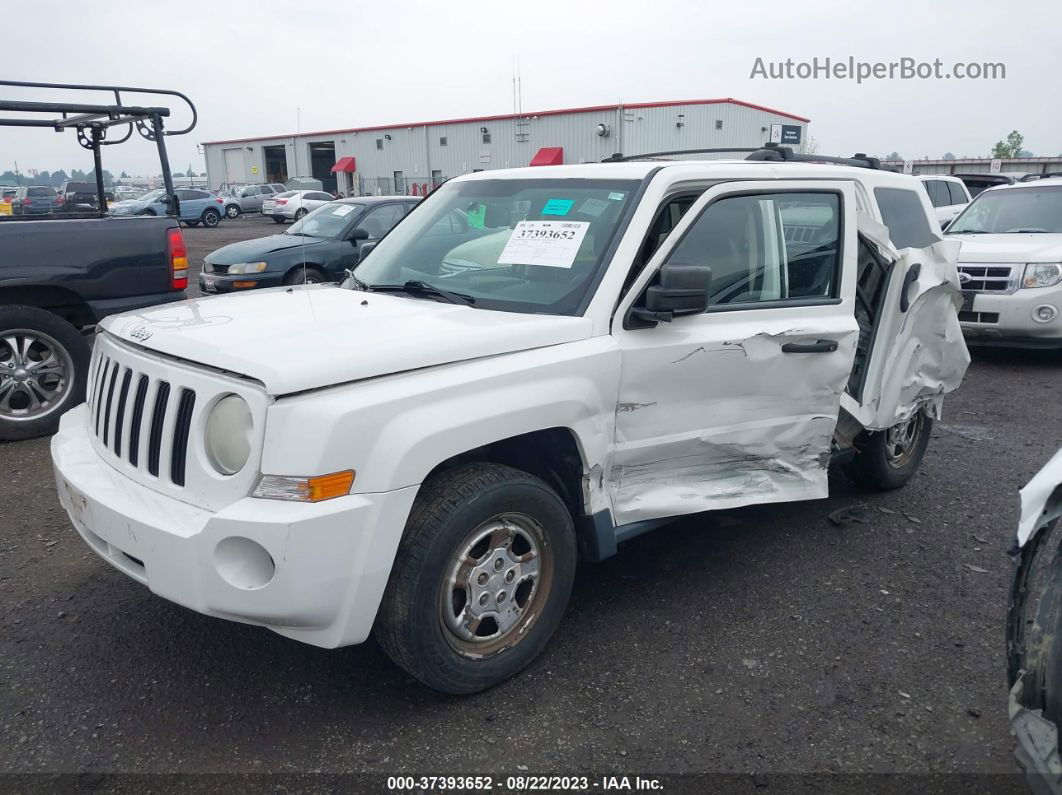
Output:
[[1012, 248], [305, 338]]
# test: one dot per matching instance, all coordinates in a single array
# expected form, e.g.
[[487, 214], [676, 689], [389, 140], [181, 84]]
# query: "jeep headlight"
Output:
[[1042, 274], [228, 434], [242, 268]]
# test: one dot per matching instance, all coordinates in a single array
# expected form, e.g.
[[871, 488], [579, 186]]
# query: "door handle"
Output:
[[909, 278], [821, 346]]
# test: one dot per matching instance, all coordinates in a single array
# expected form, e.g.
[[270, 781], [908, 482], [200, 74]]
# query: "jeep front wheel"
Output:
[[481, 578]]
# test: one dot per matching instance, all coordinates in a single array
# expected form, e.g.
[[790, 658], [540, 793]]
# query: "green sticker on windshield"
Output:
[[558, 207], [477, 216], [616, 197]]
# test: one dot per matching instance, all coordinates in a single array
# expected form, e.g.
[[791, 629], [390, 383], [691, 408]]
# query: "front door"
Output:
[[738, 405]]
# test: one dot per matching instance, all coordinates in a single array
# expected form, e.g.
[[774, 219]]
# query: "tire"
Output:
[[887, 459], [211, 218], [192, 224], [299, 213], [39, 337], [311, 274], [148, 212], [232, 212], [499, 517], [278, 219]]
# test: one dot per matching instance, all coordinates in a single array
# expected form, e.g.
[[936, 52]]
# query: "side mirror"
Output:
[[365, 250], [359, 234], [681, 290]]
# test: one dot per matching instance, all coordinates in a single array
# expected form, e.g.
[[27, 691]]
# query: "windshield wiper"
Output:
[[414, 287], [967, 232]]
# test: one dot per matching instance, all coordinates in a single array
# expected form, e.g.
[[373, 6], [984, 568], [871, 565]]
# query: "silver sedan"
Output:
[[294, 204]]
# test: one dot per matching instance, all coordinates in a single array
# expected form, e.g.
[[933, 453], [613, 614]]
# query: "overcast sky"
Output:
[[249, 65]]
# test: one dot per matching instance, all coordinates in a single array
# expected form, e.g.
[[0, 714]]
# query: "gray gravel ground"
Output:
[[754, 640]]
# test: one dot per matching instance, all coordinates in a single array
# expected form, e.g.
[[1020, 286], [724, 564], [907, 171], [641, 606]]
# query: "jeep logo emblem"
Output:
[[140, 333]]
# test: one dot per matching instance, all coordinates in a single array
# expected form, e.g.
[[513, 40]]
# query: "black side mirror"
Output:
[[359, 234], [365, 250], [680, 290]]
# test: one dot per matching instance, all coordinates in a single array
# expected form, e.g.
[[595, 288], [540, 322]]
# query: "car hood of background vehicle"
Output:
[[1015, 247], [247, 250], [306, 338]]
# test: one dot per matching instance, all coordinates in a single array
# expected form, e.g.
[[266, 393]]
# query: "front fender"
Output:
[[395, 429]]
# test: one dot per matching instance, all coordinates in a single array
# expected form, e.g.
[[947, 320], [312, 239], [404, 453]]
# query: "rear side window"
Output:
[[957, 196], [902, 212], [938, 192]]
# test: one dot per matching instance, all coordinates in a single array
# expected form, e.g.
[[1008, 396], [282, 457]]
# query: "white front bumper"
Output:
[[332, 559], [1015, 315]]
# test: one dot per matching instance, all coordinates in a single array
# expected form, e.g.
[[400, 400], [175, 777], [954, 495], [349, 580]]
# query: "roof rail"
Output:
[[769, 152]]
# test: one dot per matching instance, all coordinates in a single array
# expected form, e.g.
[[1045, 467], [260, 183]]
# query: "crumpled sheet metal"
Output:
[[925, 354], [1041, 499]]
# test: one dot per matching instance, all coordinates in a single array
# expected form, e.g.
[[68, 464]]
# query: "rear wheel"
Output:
[[211, 218], [888, 459], [299, 213], [43, 369], [481, 578]]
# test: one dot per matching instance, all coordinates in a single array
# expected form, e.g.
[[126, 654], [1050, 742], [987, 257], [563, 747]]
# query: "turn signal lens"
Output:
[[312, 489]]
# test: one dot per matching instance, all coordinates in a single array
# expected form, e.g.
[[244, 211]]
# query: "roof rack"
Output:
[[771, 152], [93, 120]]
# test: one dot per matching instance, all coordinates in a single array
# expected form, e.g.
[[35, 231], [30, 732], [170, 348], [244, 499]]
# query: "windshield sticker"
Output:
[[343, 210], [558, 207], [551, 244], [593, 207], [477, 216], [616, 197]]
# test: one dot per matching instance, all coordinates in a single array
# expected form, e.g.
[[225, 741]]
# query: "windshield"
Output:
[[151, 196], [1012, 210], [329, 220], [521, 245]]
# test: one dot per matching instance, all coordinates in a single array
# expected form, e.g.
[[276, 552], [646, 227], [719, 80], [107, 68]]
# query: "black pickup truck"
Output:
[[63, 271]]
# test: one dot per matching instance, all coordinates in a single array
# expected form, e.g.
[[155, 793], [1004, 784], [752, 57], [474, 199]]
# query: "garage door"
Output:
[[234, 165]]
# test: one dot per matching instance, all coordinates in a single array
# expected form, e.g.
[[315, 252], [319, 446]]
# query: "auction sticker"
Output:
[[552, 244]]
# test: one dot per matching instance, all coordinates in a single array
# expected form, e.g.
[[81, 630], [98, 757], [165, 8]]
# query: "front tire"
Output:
[[305, 275], [43, 369], [211, 218], [889, 459], [481, 579], [232, 212]]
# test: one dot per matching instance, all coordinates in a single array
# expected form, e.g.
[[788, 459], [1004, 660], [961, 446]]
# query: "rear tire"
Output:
[[43, 375], [888, 459], [211, 218], [299, 213], [481, 578]]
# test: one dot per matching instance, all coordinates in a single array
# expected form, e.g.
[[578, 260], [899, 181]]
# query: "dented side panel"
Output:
[[919, 355]]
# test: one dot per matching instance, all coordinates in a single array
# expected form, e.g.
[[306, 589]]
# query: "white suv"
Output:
[[1010, 265], [948, 195], [429, 448]]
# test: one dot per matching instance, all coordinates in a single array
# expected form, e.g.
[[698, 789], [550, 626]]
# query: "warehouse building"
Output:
[[410, 158], [1015, 166]]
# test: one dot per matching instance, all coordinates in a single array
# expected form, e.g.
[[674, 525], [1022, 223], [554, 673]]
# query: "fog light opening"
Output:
[[244, 563], [1044, 313]]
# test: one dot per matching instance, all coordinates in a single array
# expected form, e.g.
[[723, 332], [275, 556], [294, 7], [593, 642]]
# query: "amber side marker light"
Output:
[[309, 489], [244, 284]]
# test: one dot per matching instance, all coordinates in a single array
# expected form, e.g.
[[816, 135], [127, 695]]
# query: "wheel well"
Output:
[[309, 266], [59, 301], [551, 455]]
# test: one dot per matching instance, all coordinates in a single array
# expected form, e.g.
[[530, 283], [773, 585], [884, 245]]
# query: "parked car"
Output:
[[123, 192], [428, 452], [975, 183], [1034, 630], [35, 200], [318, 248], [1010, 265], [292, 205], [196, 206], [947, 194], [249, 198], [79, 197]]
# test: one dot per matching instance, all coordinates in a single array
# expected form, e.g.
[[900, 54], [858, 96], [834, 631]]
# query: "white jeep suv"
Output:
[[427, 449]]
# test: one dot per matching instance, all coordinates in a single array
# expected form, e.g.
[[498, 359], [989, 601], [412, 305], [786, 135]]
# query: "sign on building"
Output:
[[785, 133]]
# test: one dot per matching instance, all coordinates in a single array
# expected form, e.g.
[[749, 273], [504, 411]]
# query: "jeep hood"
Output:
[[306, 338], [1012, 248]]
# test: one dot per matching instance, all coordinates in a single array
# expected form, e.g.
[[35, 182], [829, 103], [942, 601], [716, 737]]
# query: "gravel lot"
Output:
[[757, 640]]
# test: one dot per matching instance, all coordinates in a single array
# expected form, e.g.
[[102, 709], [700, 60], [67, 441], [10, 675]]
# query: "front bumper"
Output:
[[312, 572], [223, 283], [1006, 320]]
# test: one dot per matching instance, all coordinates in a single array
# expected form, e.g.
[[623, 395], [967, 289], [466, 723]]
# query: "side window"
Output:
[[667, 219], [938, 192], [902, 212], [183, 195], [957, 196], [767, 247], [379, 221]]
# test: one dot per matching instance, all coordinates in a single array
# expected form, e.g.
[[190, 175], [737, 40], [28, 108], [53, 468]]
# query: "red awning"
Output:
[[549, 156], [344, 164]]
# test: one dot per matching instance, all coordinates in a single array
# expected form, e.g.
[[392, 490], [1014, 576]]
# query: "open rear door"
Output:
[[912, 351]]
